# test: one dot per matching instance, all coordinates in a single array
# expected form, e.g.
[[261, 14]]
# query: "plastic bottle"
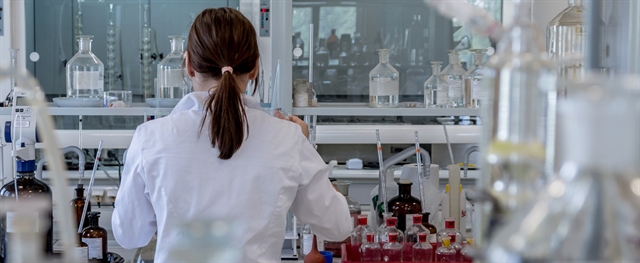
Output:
[[392, 251], [96, 238], [422, 251]]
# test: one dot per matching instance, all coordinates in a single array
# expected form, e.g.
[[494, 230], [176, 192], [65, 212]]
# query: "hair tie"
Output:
[[227, 68]]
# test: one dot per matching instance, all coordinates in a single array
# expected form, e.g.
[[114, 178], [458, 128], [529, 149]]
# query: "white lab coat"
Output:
[[173, 176]]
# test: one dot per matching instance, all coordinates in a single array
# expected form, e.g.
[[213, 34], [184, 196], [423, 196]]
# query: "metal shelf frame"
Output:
[[361, 109]]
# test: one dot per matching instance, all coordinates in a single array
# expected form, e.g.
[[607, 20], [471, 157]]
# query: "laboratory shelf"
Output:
[[361, 109], [136, 109], [341, 172], [290, 236]]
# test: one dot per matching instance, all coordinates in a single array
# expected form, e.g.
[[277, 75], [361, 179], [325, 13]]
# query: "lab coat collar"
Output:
[[196, 100]]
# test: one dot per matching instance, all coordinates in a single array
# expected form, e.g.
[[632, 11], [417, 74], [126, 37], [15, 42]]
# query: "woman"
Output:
[[217, 155]]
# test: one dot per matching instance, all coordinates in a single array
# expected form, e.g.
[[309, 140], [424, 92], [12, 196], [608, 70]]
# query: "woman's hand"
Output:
[[296, 120]]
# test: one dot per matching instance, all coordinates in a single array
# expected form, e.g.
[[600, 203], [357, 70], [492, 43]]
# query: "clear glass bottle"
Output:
[[421, 251], [445, 253], [384, 83], [170, 81], [383, 235], [370, 251], [436, 89], [85, 72], [454, 75], [96, 238], [404, 206], [29, 188], [147, 253], [450, 231], [392, 250], [307, 239], [473, 90], [519, 128], [466, 254], [359, 236], [566, 36], [411, 236], [112, 77], [77, 205]]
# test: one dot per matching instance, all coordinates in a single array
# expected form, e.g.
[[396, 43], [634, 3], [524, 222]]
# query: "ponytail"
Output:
[[227, 115]]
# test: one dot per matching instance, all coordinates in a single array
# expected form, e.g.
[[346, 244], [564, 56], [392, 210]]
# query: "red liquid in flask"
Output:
[[392, 251]]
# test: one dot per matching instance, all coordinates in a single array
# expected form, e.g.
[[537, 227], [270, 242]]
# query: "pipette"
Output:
[[383, 177], [446, 136], [423, 202], [93, 177]]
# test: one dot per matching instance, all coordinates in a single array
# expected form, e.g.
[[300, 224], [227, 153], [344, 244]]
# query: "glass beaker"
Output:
[[85, 72], [171, 77], [118, 99], [384, 83], [436, 90], [454, 75], [474, 93]]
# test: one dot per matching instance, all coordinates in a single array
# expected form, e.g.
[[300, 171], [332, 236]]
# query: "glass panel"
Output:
[[414, 33]]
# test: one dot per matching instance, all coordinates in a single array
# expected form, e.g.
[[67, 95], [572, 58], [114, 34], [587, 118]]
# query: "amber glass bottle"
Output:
[[404, 205], [80, 250], [433, 237], [314, 255], [77, 206], [96, 238], [28, 187]]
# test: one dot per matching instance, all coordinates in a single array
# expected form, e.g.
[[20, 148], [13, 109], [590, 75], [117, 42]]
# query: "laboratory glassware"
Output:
[[359, 236], [149, 42], [95, 237], [80, 250], [354, 211], [370, 251], [421, 251], [171, 83], [77, 205], [392, 250], [413, 88], [390, 227], [29, 188], [118, 99], [301, 93], [519, 122], [77, 25], [589, 211], [314, 255], [454, 75], [474, 93], [404, 206], [450, 231], [445, 253], [22, 220], [412, 233], [147, 253], [307, 239], [436, 89], [85, 72], [114, 53], [466, 254], [8, 101], [384, 83], [415, 39], [566, 39], [433, 237]]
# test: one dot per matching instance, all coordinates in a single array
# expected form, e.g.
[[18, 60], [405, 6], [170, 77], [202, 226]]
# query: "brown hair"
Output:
[[224, 37]]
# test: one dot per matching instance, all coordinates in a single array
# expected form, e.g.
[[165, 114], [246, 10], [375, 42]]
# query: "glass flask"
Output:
[[147, 253], [433, 237], [589, 211], [370, 251], [29, 188], [474, 93], [96, 238], [77, 205], [466, 254], [359, 236], [518, 121], [454, 75], [384, 83], [112, 77], [422, 251], [404, 206], [450, 231], [382, 226], [411, 236], [170, 81], [392, 250], [566, 37], [383, 235], [85, 72], [436, 89], [445, 253]]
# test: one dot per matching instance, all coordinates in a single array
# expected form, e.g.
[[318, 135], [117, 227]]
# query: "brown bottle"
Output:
[[433, 237], [80, 250], [28, 187], [404, 204], [314, 255], [77, 206], [96, 238]]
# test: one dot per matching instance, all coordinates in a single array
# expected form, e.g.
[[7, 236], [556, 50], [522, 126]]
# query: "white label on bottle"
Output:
[[28, 223], [384, 87], [307, 242], [433, 238], [301, 100], [88, 80], [170, 78], [442, 96], [476, 90], [409, 221], [95, 247], [455, 88], [80, 254]]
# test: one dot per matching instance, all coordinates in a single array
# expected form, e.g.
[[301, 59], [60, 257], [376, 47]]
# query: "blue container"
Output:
[[328, 256]]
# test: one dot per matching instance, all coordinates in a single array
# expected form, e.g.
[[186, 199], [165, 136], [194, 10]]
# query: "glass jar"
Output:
[[454, 75], [404, 205], [301, 93], [474, 93], [171, 76], [384, 83], [85, 72], [436, 90]]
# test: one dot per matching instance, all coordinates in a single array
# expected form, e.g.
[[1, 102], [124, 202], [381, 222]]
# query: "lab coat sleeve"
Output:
[[317, 202], [133, 222]]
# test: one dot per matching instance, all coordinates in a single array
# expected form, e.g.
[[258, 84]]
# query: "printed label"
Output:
[[80, 254], [307, 242], [442, 96], [476, 90], [88, 80], [28, 223], [455, 88], [433, 239], [95, 247], [450, 224], [301, 100]]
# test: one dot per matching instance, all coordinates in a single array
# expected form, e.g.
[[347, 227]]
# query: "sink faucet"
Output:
[[81, 161], [468, 153]]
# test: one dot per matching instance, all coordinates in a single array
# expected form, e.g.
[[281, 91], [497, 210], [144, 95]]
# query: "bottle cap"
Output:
[[362, 220], [80, 186], [422, 237], [370, 237], [446, 241], [393, 237], [391, 221], [417, 219]]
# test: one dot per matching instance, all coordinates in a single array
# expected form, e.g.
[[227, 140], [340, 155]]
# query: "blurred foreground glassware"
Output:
[[85, 72], [384, 83], [147, 253], [590, 211]]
